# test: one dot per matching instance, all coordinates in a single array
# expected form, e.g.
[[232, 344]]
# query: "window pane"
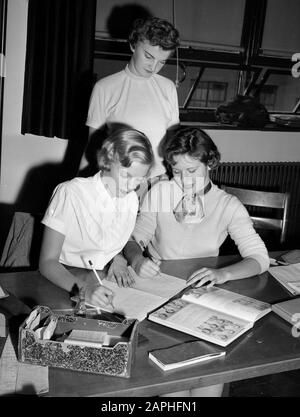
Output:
[[114, 17], [217, 86], [197, 22], [288, 90], [282, 29], [287, 93]]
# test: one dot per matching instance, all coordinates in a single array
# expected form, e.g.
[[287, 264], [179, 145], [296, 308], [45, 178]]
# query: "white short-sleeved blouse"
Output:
[[96, 226]]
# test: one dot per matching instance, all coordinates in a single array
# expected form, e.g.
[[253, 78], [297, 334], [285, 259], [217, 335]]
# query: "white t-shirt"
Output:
[[146, 104], [95, 225]]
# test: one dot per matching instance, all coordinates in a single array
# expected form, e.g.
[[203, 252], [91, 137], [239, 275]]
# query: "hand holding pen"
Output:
[[147, 267], [105, 295]]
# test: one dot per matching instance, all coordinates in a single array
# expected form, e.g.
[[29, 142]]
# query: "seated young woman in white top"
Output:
[[190, 217], [91, 219]]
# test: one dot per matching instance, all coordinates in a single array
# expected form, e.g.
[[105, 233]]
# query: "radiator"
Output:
[[267, 176]]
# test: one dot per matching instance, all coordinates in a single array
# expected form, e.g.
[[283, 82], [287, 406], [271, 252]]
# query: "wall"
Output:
[[19, 153], [250, 145]]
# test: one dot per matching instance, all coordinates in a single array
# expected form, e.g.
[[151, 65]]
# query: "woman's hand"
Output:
[[120, 272], [99, 296], [208, 275], [145, 267]]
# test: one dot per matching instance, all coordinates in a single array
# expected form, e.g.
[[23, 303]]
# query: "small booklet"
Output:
[[90, 338], [213, 314], [288, 276], [184, 354], [289, 310], [145, 295]]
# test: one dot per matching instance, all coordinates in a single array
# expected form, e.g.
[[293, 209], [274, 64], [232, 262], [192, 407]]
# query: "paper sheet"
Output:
[[20, 378], [145, 295]]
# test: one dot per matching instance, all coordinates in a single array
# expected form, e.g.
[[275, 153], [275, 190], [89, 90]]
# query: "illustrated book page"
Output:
[[238, 305], [221, 326]]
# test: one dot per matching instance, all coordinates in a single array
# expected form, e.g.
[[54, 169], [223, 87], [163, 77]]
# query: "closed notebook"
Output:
[[289, 310], [184, 354]]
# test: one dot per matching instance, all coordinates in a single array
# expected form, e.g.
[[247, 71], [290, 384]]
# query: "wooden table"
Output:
[[267, 348]]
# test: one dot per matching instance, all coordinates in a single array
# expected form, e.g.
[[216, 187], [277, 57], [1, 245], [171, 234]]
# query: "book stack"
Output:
[[288, 276], [288, 310], [286, 120]]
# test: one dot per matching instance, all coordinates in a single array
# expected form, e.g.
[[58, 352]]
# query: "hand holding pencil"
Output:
[[99, 296]]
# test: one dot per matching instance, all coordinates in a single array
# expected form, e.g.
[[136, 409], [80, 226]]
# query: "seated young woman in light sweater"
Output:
[[190, 217]]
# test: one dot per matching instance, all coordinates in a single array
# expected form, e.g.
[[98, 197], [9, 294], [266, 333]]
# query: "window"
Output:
[[227, 48], [209, 94], [268, 96]]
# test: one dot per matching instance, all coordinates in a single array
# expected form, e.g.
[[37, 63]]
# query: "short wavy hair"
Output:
[[125, 146], [194, 142], [155, 30]]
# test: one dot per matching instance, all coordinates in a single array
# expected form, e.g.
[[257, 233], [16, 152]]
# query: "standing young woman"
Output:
[[138, 96]]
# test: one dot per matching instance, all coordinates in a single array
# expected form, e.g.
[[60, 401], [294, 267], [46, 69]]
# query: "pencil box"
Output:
[[44, 335]]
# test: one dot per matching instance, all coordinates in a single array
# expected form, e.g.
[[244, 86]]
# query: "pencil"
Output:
[[95, 272], [99, 279]]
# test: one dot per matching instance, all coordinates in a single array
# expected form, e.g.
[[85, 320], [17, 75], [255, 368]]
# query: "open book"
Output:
[[216, 315], [288, 276], [145, 295]]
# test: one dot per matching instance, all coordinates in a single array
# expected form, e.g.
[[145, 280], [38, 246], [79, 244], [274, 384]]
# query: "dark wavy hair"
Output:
[[194, 142], [126, 146], [155, 30]]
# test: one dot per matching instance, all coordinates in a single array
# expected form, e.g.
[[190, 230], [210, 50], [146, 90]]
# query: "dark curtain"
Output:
[[59, 68], [3, 16]]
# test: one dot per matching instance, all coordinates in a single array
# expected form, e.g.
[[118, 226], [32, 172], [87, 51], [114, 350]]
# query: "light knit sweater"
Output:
[[158, 229], [147, 104]]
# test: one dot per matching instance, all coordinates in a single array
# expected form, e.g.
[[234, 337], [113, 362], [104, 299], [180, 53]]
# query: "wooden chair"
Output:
[[266, 199]]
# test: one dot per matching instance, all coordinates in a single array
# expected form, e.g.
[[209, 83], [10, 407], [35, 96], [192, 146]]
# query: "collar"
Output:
[[205, 189]]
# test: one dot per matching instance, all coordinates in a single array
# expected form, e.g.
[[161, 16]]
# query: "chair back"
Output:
[[267, 199]]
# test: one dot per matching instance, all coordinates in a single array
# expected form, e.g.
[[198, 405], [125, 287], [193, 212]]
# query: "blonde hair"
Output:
[[125, 145]]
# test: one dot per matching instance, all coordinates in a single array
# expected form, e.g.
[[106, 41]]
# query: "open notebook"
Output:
[[144, 296]]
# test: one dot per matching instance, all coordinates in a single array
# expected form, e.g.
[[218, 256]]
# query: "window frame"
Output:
[[254, 67]]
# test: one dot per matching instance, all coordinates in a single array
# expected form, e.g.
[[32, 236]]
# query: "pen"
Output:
[[142, 245], [276, 262], [99, 279]]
